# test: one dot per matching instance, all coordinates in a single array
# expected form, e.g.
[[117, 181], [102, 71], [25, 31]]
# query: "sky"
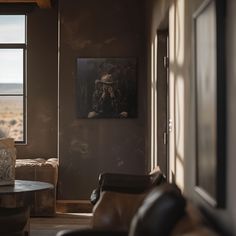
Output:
[[12, 30]]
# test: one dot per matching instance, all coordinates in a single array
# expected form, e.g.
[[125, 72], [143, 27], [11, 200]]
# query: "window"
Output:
[[12, 76]]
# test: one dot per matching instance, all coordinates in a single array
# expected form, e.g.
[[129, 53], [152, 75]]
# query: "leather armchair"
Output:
[[164, 212], [159, 213], [118, 197]]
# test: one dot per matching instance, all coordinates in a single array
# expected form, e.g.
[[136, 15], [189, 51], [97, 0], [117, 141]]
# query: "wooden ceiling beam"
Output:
[[41, 3], [44, 3]]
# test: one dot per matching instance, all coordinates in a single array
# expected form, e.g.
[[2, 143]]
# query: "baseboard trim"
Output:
[[74, 206]]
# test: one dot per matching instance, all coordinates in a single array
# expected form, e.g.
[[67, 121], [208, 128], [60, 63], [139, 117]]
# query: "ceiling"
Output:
[[40, 3]]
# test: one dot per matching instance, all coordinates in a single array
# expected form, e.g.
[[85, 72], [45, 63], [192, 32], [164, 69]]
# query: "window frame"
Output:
[[22, 46]]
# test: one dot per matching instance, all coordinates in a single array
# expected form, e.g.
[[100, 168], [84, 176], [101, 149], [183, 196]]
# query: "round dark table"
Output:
[[12, 214], [22, 186]]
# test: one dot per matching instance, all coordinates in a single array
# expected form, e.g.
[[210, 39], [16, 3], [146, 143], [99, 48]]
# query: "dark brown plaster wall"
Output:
[[104, 28], [41, 85]]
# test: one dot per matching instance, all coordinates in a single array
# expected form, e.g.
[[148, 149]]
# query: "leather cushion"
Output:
[[161, 210], [124, 183]]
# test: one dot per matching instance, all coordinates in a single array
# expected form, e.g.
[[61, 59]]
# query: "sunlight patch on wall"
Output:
[[179, 104], [179, 178], [155, 100], [152, 104], [176, 91], [172, 34], [172, 128], [180, 30], [171, 91], [179, 118]]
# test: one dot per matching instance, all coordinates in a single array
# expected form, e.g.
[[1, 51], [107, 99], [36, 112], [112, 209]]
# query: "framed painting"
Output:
[[106, 88], [209, 73]]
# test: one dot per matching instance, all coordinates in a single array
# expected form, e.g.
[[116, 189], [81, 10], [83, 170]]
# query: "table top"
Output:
[[22, 186]]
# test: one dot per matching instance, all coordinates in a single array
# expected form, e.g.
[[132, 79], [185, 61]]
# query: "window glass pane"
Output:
[[12, 28], [11, 117], [11, 71]]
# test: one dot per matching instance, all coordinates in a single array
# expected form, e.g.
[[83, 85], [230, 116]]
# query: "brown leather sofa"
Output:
[[43, 203], [163, 212]]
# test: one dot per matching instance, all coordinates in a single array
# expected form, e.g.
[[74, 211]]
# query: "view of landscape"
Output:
[[11, 111]]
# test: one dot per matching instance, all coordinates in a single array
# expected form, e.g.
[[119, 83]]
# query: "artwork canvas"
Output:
[[106, 88]]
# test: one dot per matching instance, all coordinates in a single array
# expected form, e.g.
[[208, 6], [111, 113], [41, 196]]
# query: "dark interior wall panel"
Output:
[[104, 28], [41, 85]]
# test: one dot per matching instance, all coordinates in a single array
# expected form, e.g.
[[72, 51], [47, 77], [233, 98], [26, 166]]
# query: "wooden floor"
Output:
[[49, 226]]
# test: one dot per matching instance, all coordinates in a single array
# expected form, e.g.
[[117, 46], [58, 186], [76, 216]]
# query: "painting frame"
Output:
[[210, 102], [106, 87]]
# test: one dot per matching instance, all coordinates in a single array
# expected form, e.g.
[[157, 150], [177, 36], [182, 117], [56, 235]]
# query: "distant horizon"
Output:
[[11, 88], [11, 83]]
